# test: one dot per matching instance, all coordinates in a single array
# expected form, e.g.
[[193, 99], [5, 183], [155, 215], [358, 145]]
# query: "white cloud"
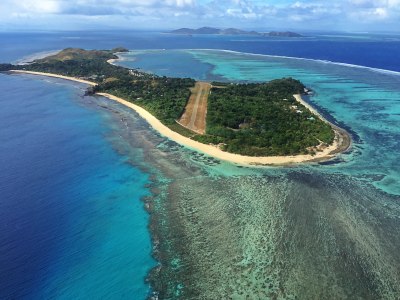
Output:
[[180, 3], [375, 3], [380, 12], [91, 7], [374, 10], [27, 6], [369, 15], [301, 5], [236, 13]]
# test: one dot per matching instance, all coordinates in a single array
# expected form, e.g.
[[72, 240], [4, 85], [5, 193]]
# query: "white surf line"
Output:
[[384, 71], [378, 70]]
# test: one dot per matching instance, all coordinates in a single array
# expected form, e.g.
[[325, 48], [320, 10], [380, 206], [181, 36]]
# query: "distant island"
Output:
[[266, 123], [234, 31]]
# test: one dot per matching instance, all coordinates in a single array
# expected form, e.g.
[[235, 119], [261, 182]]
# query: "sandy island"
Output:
[[341, 142]]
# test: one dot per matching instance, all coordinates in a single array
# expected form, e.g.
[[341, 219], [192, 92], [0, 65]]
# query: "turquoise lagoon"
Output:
[[314, 231], [365, 101]]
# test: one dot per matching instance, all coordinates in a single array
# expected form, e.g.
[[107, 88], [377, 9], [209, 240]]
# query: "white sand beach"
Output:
[[56, 76]]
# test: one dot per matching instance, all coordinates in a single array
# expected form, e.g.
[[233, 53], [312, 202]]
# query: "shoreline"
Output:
[[55, 76], [26, 60], [111, 61], [341, 143]]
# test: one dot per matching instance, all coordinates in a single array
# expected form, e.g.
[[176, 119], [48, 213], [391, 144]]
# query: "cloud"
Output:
[[236, 13], [93, 7], [181, 3], [375, 3], [374, 10], [26, 6]]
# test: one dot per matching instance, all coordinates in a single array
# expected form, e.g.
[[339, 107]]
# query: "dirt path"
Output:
[[194, 117]]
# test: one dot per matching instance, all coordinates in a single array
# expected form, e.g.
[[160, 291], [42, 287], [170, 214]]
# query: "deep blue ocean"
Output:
[[72, 223], [372, 50], [71, 210]]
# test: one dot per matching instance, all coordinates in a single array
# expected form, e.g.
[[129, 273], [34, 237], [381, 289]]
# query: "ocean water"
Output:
[[325, 231], [73, 225], [365, 101], [372, 50]]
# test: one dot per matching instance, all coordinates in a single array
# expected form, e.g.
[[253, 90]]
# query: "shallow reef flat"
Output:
[[223, 232], [294, 236]]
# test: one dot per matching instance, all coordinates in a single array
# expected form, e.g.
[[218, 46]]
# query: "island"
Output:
[[265, 123], [234, 31]]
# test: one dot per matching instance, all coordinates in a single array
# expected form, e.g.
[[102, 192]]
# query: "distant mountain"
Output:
[[202, 30], [282, 33], [233, 31]]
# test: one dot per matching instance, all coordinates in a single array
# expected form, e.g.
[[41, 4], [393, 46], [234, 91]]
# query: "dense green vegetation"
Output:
[[263, 119], [256, 119], [6, 67], [88, 64], [164, 97]]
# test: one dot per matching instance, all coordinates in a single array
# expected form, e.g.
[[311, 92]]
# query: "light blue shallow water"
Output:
[[335, 233], [365, 101], [72, 222]]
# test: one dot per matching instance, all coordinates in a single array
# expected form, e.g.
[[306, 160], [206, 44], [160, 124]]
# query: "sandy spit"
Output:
[[56, 76]]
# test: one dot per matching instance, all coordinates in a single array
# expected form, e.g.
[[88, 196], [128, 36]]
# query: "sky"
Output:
[[332, 15]]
